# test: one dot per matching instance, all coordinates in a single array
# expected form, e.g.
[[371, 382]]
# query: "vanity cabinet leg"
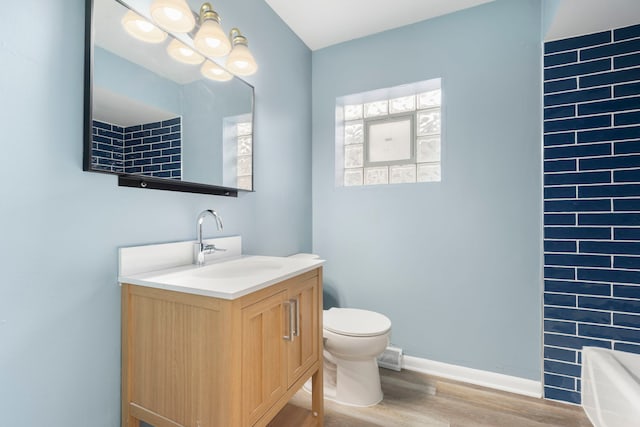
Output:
[[132, 422], [317, 380], [317, 396], [127, 419]]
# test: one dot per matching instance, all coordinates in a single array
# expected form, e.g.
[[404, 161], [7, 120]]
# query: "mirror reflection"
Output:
[[161, 109]]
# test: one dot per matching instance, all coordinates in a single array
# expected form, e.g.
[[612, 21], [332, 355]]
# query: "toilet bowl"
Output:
[[353, 339]]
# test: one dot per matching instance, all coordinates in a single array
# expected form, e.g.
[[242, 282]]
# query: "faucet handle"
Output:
[[212, 248]]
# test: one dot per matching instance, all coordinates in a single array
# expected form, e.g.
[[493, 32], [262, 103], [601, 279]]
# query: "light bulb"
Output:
[[241, 61], [173, 15], [215, 72], [182, 53], [142, 29], [211, 38], [145, 26]]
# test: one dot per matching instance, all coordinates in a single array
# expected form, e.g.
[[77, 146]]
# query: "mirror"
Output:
[[158, 122]]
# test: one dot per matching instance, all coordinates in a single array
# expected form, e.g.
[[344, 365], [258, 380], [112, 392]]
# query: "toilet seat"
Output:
[[354, 322]]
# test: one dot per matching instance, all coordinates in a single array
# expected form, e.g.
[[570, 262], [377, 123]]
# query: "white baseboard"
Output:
[[474, 376]]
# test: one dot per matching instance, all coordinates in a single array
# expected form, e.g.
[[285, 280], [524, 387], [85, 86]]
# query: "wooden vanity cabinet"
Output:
[[196, 361]]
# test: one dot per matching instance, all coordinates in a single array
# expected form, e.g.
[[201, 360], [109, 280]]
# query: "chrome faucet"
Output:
[[200, 249]]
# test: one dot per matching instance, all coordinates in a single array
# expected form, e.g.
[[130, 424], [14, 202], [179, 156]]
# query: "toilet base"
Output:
[[351, 382]]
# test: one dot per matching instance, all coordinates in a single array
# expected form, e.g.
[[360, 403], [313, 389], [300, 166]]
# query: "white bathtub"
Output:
[[611, 387]]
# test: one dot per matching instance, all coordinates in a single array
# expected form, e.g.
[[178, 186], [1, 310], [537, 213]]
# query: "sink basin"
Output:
[[238, 268], [227, 279]]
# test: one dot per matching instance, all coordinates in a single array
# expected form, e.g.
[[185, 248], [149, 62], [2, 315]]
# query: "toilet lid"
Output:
[[354, 322]]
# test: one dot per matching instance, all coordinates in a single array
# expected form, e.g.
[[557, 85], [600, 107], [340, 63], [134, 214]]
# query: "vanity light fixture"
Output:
[[142, 29], [173, 15], [210, 38], [240, 60], [182, 53], [215, 72]]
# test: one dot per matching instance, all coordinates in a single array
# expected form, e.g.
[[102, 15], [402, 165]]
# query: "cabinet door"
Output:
[[303, 350], [264, 375]]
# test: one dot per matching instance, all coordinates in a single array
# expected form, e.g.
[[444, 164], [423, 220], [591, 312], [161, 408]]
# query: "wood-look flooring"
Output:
[[413, 399]]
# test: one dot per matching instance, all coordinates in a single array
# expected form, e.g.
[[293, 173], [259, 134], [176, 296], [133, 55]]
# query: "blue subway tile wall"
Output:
[[591, 202], [107, 152], [154, 149]]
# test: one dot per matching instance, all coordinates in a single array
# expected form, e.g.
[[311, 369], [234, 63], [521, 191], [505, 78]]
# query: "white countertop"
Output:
[[228, 278]]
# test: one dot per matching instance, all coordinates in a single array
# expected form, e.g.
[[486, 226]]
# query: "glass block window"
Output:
[[390, 136], [237, 152], [245, 155]]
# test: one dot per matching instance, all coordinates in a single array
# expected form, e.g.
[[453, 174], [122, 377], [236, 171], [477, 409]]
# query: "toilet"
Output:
[[353, 339]]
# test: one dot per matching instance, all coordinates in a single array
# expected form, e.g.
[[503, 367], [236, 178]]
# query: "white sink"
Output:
[[243, 267], [227, 278], [238, 268]]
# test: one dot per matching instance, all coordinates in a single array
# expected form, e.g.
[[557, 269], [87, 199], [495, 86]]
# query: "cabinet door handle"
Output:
[[296, 329], [290, 319]]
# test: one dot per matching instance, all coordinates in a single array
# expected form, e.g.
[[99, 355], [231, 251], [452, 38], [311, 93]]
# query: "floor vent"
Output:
[[391, 358]]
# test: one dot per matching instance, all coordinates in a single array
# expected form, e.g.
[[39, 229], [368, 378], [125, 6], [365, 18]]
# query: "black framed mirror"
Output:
[[158, 122]]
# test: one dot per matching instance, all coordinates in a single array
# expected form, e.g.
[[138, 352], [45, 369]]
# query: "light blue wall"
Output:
[[60, 227], [455, 265]]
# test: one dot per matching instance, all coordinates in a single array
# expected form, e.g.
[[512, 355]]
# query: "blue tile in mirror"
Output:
[[149, 149], [108, 147]]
